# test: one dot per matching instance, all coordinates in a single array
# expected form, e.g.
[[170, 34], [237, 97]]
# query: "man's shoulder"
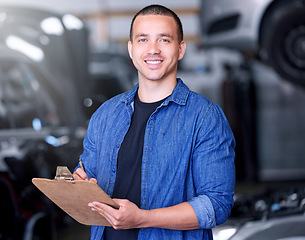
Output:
[[198, 97], [113, 102], [107, 106], [203, 106], [182, 94], [199, 101]]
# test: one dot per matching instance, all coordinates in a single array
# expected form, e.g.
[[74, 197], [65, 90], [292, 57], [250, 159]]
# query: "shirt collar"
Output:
[[179, 95]]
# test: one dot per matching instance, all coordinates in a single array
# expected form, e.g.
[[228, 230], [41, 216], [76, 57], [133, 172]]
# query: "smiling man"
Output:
[[164, 153], [155, 48]]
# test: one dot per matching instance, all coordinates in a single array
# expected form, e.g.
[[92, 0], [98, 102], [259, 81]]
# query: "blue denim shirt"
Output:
[[188, 156]]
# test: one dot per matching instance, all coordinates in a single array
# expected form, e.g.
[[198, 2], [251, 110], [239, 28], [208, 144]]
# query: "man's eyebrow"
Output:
[[166, 35], [141, 35], [160, 35]]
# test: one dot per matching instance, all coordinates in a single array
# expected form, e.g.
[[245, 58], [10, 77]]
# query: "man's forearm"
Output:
[[178, 217]]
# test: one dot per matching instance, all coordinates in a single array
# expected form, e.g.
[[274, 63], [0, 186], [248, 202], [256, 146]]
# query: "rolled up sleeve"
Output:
[[214, 170], [204, 211]]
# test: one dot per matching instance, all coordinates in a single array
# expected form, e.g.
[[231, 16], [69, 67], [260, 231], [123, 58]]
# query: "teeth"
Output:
[[153, 62]]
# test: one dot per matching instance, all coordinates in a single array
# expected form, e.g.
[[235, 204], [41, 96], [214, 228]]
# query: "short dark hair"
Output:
[[156, 9]]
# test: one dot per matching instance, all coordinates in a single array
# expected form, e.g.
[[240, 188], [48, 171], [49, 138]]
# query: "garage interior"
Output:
[[264, 107]]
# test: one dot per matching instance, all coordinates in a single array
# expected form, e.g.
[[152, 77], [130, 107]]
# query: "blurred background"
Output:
[[60, 60]]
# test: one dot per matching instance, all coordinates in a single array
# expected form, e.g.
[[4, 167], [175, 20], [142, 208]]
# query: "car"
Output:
[[50, 84], [270, 30], [273, 213], [43, 71]]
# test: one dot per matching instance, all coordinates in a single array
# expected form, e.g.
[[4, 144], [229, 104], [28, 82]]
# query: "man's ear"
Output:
[[130, 48], [182, 49]]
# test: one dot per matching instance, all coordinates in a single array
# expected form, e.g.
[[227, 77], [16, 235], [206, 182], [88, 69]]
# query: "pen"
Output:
[[82, 164]]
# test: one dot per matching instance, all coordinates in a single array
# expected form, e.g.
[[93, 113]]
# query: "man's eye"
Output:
[[142, 40], [164, 40]]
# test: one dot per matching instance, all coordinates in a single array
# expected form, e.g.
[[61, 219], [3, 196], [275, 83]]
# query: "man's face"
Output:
[[155, 49]]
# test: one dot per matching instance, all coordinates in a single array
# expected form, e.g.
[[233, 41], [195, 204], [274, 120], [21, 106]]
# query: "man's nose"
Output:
[[153, 48]]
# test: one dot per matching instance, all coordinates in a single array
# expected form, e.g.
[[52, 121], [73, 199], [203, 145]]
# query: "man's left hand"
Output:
[[126, 217]]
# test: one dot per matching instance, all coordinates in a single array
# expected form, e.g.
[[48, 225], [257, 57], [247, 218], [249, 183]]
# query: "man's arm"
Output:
[[178, 217]]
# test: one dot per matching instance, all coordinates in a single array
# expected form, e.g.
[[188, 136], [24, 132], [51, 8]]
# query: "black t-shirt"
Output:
[[128, 179]]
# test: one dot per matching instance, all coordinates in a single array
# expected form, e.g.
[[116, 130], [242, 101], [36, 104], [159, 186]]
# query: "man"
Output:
[[164, 153]]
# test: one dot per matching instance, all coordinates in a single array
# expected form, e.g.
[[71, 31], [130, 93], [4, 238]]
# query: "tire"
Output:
[[283, 39]]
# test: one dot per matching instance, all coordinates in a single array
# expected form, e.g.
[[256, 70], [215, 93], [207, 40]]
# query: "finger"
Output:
[[93, 180], [120, 202], [79, 174], [103, 209]]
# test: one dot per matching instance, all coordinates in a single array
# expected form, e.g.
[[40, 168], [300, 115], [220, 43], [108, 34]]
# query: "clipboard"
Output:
[[73, 198]]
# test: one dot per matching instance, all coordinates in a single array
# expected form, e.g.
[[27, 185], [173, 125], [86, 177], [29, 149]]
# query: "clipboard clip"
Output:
[[63, 173]]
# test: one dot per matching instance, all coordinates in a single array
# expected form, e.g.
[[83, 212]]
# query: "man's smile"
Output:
[[153, 61]]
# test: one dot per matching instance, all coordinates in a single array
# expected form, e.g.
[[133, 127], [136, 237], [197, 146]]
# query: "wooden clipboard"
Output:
[[73, 197]]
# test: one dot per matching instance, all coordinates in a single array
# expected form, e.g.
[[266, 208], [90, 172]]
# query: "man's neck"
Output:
[[153, 91]]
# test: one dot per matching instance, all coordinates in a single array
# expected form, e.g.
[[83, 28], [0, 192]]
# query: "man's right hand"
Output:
[[79, 174]]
